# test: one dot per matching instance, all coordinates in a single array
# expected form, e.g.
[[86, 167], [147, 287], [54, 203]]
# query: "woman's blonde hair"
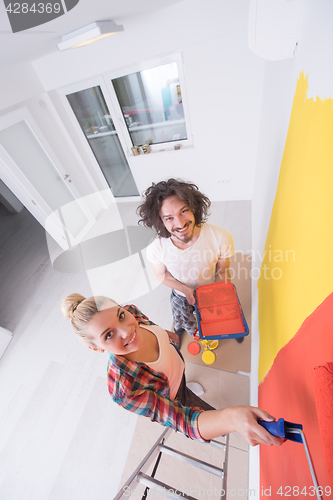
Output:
[[80, 311]]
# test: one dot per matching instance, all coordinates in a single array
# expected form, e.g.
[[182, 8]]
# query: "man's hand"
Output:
[[163, 275], [190, 296], [222, 272], [174, 339]]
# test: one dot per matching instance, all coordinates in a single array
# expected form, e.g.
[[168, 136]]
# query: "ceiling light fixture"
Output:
[[89, 34]]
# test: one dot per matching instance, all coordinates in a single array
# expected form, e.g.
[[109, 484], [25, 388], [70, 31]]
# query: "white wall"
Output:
[[279, 87], [223, 82], [17, 84], [280, 80]]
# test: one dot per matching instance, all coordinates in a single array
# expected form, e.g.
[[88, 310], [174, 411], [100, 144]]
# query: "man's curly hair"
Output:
[[149, 211]]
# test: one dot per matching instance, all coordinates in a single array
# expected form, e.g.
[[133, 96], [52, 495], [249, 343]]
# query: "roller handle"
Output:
[[276, 428]]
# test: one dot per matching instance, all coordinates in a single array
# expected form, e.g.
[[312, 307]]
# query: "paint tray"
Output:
[[219, 313]]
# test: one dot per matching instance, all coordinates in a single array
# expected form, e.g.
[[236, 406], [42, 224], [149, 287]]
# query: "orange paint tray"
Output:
[[219, 313]]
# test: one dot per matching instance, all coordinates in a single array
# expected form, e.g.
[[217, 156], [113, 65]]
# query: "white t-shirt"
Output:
[[195, 265]]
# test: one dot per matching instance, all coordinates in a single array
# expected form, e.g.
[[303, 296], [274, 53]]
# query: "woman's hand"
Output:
[[246, 423], [243, 419]]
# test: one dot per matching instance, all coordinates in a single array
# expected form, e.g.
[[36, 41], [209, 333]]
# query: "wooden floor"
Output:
[[61, 437]]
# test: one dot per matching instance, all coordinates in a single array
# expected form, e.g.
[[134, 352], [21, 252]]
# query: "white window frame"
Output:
[[105, 83], [119, 120]]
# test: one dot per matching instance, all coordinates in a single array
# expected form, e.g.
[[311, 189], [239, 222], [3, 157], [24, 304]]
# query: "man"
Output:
[[188, 251]]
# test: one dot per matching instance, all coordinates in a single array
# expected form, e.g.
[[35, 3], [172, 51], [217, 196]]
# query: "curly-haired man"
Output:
[[188, 251]]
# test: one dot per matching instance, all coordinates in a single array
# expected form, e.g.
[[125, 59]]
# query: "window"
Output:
[[144, 104], [151, 103]]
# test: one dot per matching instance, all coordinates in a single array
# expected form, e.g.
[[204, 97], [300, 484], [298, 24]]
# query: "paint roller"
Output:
[[322, 377], [292, 432]]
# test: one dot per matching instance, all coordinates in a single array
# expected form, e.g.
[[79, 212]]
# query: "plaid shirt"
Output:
[[140, 389]]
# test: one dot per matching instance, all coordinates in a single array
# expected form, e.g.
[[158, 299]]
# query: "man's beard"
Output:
[[184, 239]]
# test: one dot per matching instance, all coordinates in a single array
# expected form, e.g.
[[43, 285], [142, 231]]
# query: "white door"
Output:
[[92, 114], [32, 171]]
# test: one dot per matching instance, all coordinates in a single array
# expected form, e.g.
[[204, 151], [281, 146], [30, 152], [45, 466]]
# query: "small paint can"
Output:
[[208, 357], [193, 348], [210, 344], [135, 150], [145, 149]]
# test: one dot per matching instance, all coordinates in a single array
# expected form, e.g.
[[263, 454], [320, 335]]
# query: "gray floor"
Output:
[[61, 436]]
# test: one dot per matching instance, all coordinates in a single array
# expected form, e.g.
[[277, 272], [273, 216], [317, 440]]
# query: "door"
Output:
[[32, 171], [93, 114]]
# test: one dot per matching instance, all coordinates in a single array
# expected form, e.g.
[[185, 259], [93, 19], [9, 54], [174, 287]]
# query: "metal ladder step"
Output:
[[159, 448], [200, 464], [217, 444], [162, 488]]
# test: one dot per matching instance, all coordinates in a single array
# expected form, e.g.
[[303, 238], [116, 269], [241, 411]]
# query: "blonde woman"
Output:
[[146, 372]]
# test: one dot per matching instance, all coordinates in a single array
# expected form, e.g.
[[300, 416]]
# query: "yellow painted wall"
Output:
[[298, 258]]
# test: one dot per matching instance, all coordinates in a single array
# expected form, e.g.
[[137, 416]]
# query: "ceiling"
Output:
[[31, 44]]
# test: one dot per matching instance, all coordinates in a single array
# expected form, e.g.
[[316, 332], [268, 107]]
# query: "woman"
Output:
[[146, 372]]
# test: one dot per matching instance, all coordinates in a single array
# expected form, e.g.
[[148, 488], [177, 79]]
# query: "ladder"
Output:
[[140, 477]]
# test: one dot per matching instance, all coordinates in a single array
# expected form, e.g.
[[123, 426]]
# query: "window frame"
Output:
[[119, 120], [104, 81]]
